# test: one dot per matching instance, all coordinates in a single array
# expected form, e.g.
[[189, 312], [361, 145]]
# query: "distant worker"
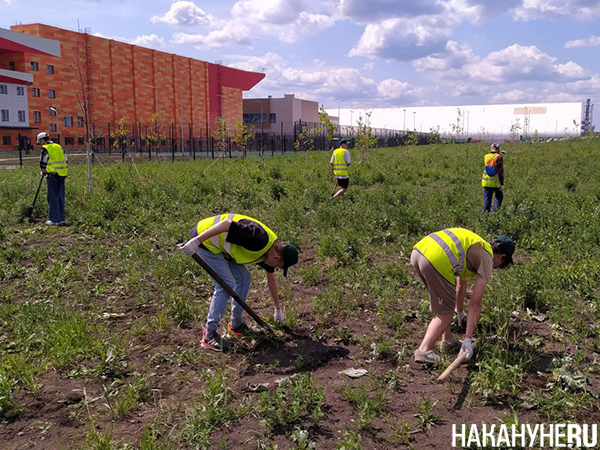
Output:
[[445, 261], [340, 161], [53, 163], [493, 178], [227, 243]]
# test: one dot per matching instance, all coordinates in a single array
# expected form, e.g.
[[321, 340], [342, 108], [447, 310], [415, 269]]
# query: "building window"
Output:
[[80, 121], [37, 116], [21, 115], [11, 65], [69, 141], [80, 140], [272, 118], [51, 93], [52, 111], [20, 90], [255, 118], [53, 127], [6, 140], [35, 92], [3, 89], [34, 66], [4, 114], [49, 69], [68, 121]]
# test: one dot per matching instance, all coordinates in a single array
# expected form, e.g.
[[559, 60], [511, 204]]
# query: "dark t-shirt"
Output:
[[247, 234]]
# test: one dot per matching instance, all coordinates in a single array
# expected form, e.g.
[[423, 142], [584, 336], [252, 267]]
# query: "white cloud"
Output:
[[150, 41], [374, 11], [391, 88], [230, 34], [591, 41], [252, 19], [318, 82], [402, 39], [184, 13], [480, 11], [580, 10], [454, 57], [512, 96]]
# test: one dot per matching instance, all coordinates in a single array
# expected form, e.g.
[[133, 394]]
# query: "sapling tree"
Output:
[[326, 124], [221, 135], [434, 135], [514, 129], [364, 137], [241, 135], [87, 90], [457, 128]]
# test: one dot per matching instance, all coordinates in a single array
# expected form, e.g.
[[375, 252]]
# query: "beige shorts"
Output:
[[442, 293]]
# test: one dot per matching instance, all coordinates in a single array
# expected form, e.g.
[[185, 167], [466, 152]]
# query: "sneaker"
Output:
[[452, 346], [49, 222], [428, 357], [239, 331], [213, 341]]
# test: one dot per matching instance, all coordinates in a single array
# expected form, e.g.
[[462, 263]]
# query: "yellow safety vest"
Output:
[[340, 168], [57, 162], [490, 160], [218, 244], [446, 250]]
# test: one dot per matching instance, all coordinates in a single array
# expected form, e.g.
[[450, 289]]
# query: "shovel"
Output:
[[29, 210], [233, 294]]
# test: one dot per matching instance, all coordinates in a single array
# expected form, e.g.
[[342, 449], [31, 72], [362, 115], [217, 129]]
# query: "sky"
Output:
[[363, 53]]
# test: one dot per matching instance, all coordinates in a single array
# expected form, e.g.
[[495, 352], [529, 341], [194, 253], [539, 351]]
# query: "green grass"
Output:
[[109, 300]]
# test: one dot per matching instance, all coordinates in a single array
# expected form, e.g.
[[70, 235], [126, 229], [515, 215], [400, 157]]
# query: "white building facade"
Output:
[[475, 122]]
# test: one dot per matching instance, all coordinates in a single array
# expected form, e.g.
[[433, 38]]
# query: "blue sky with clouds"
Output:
[[363, 53]]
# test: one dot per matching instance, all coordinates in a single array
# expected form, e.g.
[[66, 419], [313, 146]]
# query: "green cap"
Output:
[[506, 246], [289, 253], [344, 141]]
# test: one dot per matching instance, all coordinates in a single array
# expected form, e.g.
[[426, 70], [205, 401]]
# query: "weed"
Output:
[[352, 441], [425, 418], [292, 402]]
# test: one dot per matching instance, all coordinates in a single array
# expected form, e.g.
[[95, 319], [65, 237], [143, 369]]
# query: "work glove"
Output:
[[278, 316], [190, 247], [467, 348], [502, 187], [460, 315]]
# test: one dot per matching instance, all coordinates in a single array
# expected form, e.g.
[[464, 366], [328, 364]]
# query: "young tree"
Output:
[[157, 134], [434, 135], [364, 136], [241, 135], [326, 124], [457, 128], [514, 129], [221, 135], [87, 92], [120, 136], [305, 141]]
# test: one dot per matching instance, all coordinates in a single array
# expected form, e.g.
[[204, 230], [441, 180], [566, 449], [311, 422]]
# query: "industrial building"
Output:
[[479, 122], [56, 80]]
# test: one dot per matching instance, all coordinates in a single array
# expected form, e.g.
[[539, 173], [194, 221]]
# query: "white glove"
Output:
[[467, 348], [278, 316], [190, 247], [502, 187], [461, 315]]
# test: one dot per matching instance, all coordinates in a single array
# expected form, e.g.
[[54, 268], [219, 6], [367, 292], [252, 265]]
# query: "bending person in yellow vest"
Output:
[[53, 164], [445, 261], [340, 161], [227, 243]]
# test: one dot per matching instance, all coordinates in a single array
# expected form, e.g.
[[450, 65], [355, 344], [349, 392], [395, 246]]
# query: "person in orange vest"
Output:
[[227, 243], [492, 179], [445, 261], [53, 164], [340, 161]]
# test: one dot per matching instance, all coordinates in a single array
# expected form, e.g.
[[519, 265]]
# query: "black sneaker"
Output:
[[213, 341], [239, 331]]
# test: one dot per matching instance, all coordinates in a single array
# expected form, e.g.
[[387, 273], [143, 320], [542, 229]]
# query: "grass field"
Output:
[[100, 320]]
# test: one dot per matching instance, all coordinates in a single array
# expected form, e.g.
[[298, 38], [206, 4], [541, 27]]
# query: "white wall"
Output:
[[487, 122]]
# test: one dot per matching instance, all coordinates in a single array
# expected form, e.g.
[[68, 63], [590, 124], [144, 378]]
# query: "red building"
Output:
[[61, 71]]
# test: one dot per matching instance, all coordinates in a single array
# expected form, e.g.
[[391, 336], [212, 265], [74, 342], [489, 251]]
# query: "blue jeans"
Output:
[[488, 193], [237, 276], [55, 193]]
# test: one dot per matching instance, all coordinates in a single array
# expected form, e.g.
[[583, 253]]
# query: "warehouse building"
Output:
[[56, 80]]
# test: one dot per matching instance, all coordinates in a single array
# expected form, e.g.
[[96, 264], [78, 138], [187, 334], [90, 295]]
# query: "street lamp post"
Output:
[[262, 129], [54, 112], [414, 120], [404, 124], [339, 121], [181, 72]]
